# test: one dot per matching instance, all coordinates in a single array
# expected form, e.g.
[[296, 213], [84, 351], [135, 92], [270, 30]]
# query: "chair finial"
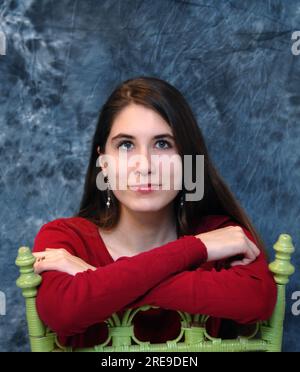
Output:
[[281, 267], [28, 280]]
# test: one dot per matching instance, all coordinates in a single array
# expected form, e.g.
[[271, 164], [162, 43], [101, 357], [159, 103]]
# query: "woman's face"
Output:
[[141, 150]]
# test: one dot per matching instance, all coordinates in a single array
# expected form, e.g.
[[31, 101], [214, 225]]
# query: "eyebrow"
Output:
[[124, 135]]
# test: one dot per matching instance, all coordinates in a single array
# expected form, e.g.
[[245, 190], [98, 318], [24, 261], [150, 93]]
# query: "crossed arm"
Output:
[[245, 293]]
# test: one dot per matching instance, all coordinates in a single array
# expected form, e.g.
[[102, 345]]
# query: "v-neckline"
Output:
[[101, 241], [103, 244]]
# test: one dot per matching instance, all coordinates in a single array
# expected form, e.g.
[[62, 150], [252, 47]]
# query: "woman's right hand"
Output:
[[59, 259], [228, 242]]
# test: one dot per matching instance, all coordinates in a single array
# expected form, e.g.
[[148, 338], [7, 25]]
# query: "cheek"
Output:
[[122, 177], [118, 175], [171, 174]]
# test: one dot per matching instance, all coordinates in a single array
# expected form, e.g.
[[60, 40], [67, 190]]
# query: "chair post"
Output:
[[28, 281], [282, 268]]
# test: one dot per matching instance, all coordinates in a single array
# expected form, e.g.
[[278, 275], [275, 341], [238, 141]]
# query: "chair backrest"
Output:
[[193, 336]]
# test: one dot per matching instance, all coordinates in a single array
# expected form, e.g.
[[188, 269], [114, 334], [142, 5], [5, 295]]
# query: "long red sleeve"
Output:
[[70, 304], [245, 294]]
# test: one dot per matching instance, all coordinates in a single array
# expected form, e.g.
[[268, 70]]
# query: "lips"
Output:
[[146, 187]]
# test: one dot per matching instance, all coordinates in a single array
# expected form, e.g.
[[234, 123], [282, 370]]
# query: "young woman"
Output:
[[146, 244]]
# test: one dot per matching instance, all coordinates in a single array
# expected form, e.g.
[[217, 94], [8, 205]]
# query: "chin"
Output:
[[149, 207], [146, 209]]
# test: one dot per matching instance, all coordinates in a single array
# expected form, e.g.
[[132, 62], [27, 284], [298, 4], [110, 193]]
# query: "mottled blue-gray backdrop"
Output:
[[231, 59]]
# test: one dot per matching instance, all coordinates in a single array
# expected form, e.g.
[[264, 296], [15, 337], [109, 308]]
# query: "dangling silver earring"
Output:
[[108, 200], [108, 196], [181, 201]]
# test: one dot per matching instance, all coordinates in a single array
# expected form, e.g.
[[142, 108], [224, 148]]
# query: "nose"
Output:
[[145, 166]]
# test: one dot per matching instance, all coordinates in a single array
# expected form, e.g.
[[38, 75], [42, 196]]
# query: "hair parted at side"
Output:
[[167, 101]]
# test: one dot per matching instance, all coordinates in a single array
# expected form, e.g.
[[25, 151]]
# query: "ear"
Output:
[[100, 160], [102, 163]]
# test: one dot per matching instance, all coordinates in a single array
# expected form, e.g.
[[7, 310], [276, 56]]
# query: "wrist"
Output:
[[204, 240]]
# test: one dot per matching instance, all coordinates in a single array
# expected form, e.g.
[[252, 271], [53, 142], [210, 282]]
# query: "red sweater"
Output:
[[174, 276]]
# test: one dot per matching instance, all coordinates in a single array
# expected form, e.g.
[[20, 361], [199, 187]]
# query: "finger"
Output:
[[37, 267], [45, 265], [39, 254], [236, 263], [40, 259], [244, 261], [253, 248], [57, 250], [43, 253], [249, 256]]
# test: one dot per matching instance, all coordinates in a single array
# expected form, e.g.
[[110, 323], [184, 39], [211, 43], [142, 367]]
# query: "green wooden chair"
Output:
[[193, 336]]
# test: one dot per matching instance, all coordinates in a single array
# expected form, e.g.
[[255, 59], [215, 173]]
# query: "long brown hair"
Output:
[[168, 102]]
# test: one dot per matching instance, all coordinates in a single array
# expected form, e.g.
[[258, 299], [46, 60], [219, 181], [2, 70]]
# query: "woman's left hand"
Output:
[[60, 260]]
